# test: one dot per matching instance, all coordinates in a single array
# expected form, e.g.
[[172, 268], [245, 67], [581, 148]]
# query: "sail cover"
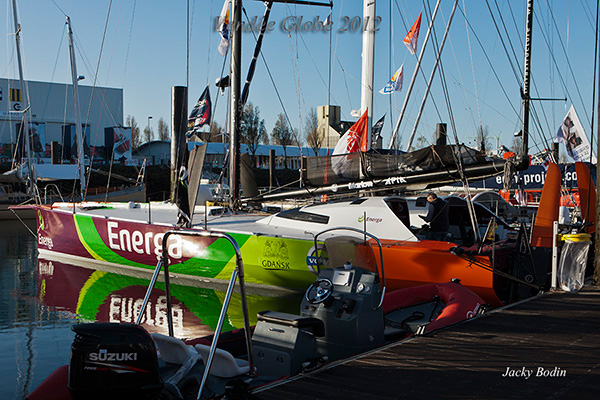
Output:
[[372, 165]]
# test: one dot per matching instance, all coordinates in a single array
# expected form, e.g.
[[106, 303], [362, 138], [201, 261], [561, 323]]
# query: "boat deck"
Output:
[[557, 334]]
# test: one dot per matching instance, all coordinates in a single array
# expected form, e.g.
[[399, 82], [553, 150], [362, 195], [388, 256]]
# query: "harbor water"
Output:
[[42, 297]]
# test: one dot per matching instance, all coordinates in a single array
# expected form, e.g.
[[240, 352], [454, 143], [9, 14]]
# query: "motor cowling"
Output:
[[113, 361]]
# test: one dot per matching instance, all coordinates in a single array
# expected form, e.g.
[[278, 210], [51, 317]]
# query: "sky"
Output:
[[140, 46]]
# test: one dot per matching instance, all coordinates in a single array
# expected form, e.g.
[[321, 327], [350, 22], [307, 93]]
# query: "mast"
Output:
[[430, 81], [526, 80], [414, 77], [368, 57], [80, 155], [236, 111], [25, 117]]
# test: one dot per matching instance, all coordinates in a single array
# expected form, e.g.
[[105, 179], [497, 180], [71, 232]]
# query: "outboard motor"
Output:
[[113, 361]]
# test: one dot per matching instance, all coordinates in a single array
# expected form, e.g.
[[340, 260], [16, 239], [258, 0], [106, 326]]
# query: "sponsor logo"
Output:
[[361, 219], [395, 180], [104, 355], [316, 256], [127, 309], [142, 242], [45, 241], [471, 314], [360, 185], [276, 255]]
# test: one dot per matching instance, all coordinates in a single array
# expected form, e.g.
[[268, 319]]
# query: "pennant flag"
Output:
[[349, 143], [376, 130], [412, 37], [573, 136], [395, 84], [201, 113], [328, 21], [224, 28]]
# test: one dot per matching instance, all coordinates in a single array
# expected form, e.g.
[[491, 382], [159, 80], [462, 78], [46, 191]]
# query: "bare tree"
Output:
[[282, 135], [252, 128], [482, 138], [311, 125], [148, 134], [163, 130], [135, 131]]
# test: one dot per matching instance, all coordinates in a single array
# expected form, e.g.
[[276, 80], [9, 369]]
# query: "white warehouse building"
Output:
[[52, 117]]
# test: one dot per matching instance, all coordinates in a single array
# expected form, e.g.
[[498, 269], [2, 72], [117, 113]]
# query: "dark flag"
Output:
[[376, 130], [201, 113]]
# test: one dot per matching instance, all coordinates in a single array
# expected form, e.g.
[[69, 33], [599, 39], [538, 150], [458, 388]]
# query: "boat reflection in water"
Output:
[[100, 296]]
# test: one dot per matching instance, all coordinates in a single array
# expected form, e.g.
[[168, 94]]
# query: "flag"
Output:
[[395, 84], [412, 37], [328, 21], [223, 28], [572, 135], [201, 113], [349, 143], [546, 163], [376, 130]]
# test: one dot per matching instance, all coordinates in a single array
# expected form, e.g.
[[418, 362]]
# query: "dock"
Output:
[[546, 347]]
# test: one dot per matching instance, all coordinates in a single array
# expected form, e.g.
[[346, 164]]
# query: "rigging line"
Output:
[[514, 70], [60, 9], [510, 42], [588, 12], [492, 67], [272, 81], [473, 73], [129, 43], [566, 57], [594, 94]]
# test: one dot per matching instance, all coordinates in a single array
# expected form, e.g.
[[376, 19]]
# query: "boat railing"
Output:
[[238, 273], [365, 234], [52, 188]]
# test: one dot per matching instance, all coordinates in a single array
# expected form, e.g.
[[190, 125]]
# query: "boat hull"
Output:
[[281, 262]]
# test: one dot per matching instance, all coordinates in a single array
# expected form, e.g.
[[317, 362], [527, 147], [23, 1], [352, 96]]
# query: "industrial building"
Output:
[[52, 119]]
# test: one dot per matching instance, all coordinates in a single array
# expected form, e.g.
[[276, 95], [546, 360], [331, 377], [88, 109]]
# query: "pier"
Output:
[[546, 347]]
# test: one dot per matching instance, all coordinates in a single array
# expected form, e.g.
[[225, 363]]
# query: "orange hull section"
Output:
[[409, 264], [587, 195], [548, 210]]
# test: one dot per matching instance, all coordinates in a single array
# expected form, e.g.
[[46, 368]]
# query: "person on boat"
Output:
[[438, 217]]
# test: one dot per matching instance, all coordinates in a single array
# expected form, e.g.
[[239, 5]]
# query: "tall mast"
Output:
[[25, 118], [368, 57], [526, 80], [236, 112], [414, 77], [80, 155]]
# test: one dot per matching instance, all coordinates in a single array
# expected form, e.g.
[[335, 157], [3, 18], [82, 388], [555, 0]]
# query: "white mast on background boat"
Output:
[[25, 112], [368, 59], [80, 155]]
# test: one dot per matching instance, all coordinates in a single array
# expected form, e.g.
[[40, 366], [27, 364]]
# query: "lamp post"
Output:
[[149, 133]]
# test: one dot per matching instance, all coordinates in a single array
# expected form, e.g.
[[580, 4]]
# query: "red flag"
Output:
[[411, 38], [352, 141]]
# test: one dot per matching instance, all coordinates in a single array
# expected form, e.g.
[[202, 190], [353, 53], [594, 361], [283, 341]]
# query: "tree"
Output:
[[517, 146], [252, 128], [214, 134], [163, 130], [148, 134], [311, 126], [282, 134], [135, 131], [482, 138]]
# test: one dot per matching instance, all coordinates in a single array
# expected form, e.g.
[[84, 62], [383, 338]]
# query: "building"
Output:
[[52, 118], [158, 152]]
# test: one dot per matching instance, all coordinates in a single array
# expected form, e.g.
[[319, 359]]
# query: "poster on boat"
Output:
[[572, 135], [122, 144]]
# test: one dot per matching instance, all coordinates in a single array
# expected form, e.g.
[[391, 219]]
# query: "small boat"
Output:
[[344, 313]]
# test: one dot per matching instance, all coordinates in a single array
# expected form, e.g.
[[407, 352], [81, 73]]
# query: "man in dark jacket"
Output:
[[438, 217]]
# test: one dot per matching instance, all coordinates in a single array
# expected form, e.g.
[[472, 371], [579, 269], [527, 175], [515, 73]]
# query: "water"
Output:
[[41, 298]]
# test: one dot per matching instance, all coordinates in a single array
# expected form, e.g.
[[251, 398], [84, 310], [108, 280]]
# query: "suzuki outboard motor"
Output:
[[113, 361]]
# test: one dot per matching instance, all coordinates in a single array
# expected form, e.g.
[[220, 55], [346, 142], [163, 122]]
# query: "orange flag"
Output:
[[412, 37]]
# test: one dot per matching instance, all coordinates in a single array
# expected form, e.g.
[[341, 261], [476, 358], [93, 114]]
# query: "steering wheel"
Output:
[[319, 291]]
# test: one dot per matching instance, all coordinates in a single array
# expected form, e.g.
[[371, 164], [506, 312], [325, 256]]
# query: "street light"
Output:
[[149, 133]]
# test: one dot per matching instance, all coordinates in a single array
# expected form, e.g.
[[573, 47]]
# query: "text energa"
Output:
[[138, 242]]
